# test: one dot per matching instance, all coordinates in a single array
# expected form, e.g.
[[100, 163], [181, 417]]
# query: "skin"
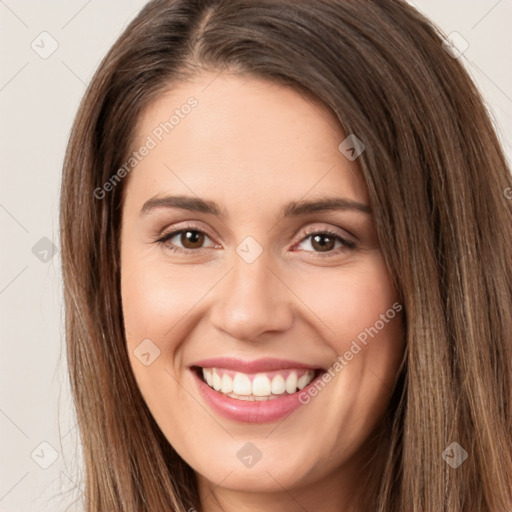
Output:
[[253, 146]]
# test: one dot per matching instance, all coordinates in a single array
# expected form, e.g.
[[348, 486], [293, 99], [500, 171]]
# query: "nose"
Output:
[[251, 301]]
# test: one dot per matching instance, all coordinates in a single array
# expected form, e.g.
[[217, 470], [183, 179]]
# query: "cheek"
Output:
[[158, 305], [156, 298], [358, 313], [349, 301]]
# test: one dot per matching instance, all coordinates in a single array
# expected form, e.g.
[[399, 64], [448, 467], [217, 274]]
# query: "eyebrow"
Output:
[[293, 209], [184, 202], [297, 208]]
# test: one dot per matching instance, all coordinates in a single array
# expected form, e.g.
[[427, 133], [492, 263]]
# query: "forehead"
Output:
[[237, 136]]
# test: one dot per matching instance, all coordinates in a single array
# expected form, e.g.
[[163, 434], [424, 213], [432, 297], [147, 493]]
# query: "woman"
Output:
[[286, 248]]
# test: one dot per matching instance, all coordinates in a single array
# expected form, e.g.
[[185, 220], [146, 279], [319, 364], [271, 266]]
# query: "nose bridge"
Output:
[[252, 300]]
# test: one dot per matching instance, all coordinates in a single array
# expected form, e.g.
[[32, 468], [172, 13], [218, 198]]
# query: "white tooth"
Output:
[[278, 385], [261, 385], [217, 383], [260, 398], [242, 384], [226, 384], [291, 383], [207, 374], [304, 380]]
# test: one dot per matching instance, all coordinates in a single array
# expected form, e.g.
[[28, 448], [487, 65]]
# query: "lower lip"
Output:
[[264, 411]]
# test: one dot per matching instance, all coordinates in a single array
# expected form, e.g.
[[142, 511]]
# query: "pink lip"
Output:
[[266, 364], [251, 412]]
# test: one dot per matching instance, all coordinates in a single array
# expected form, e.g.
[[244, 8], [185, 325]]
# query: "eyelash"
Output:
[[347, 244]]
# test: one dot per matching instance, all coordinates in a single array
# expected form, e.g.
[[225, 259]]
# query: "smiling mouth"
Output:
[[256, 386]]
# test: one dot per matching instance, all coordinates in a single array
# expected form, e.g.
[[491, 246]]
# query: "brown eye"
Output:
[[322, 243], [325, 241], [191, 239], [187, 239]]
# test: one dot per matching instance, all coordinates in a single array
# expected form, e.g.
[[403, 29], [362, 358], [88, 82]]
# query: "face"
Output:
[[262, 326]]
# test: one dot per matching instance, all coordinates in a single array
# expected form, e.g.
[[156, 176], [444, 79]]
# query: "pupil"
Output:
[[324, 247], [192, 238]]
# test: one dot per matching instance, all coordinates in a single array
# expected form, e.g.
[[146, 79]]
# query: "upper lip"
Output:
[[266, 364]]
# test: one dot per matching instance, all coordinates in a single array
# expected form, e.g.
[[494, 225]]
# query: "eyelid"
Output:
[[175, 229], [348, 237]]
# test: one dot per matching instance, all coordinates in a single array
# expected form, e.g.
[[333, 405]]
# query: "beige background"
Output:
[[38, 99]]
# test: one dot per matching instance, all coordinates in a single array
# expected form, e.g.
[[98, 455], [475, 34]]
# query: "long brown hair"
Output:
[[437, 180]]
